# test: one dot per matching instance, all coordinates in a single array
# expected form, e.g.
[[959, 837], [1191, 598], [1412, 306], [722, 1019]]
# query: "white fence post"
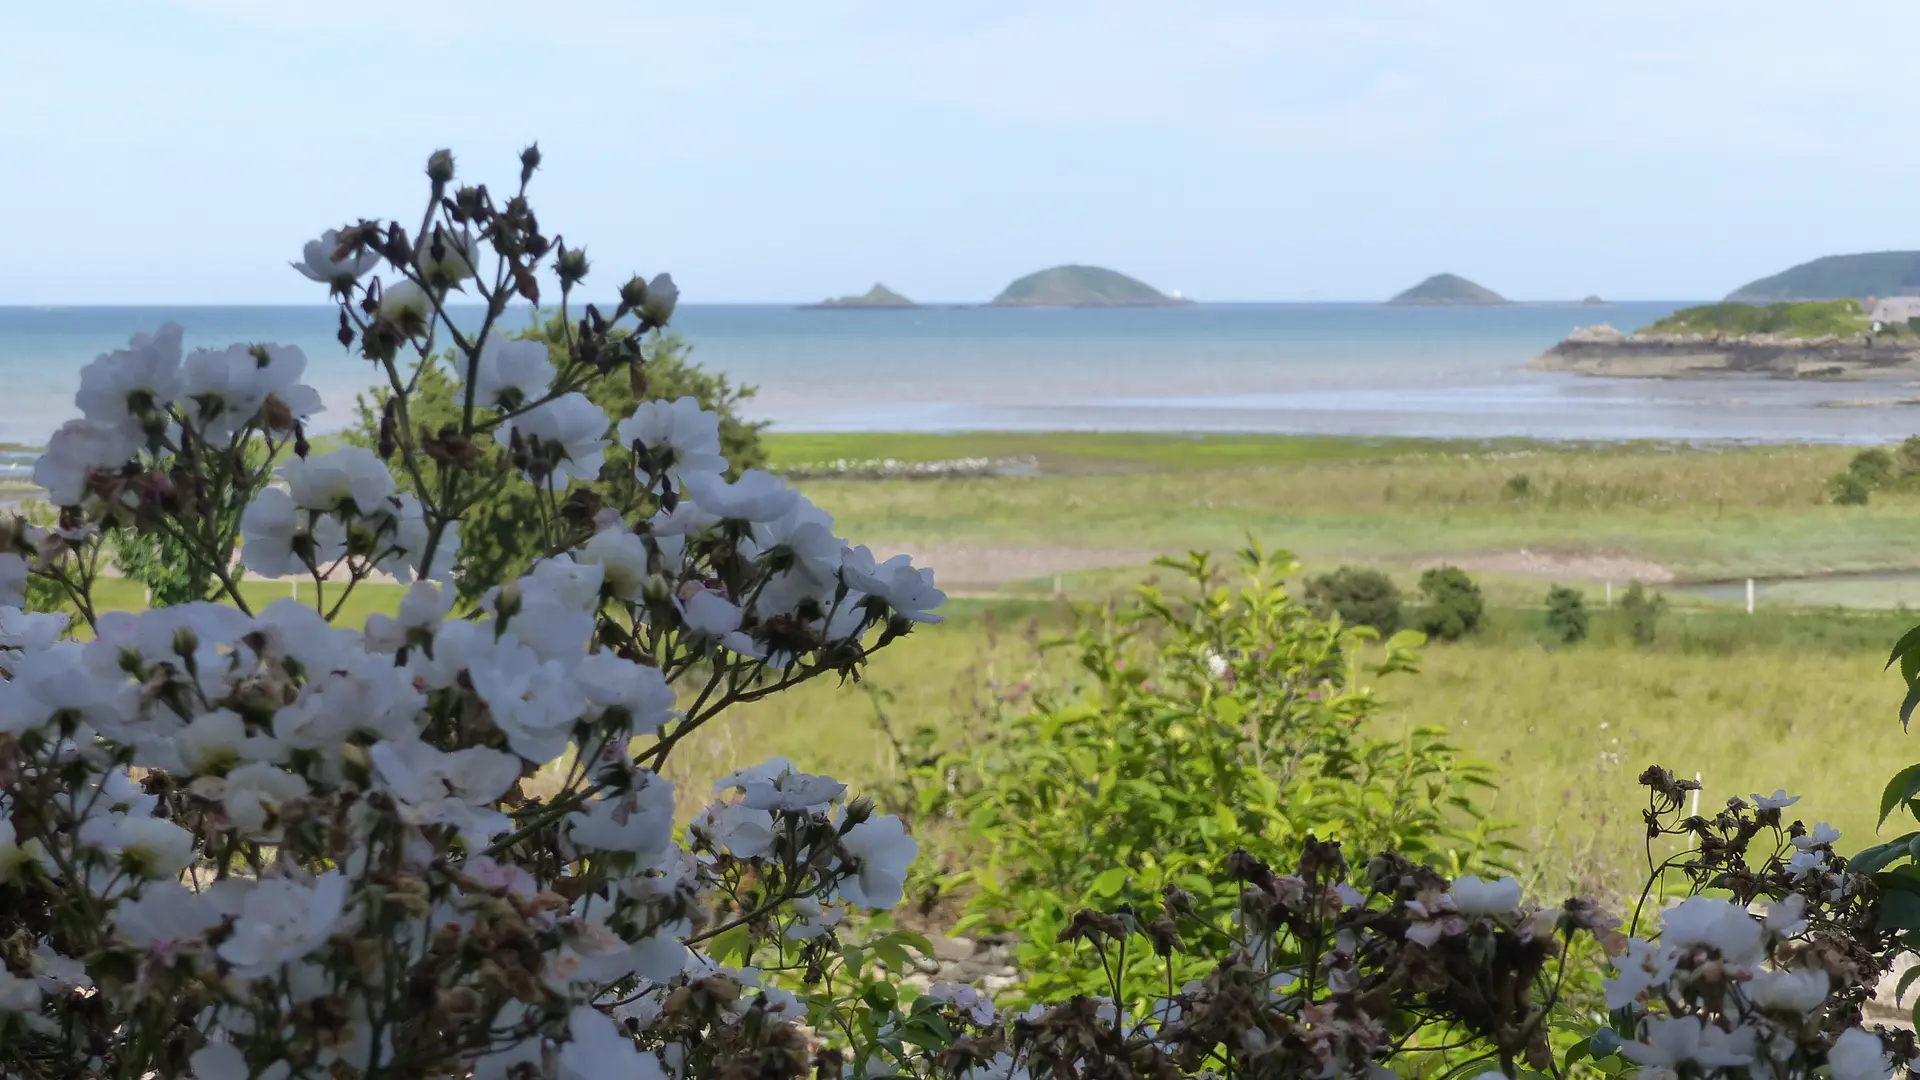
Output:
[[1749, 596], [1609, 594]]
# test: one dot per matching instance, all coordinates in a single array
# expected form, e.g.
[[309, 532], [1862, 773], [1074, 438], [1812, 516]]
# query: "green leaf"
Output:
[[1109, 883], [1904, 785], [1908, 646], [1899, 910], [1906, 980], [1907, 706], [733, 946], [1880, 856]]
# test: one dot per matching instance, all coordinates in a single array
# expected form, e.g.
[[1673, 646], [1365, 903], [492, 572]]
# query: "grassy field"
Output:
[[1792, 697], [1700, 514]]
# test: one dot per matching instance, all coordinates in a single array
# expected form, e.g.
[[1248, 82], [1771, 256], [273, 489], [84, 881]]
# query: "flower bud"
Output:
[[529, 161], [858, 811], [440, 167], [662, 295], [185, 642], [657, 591], [570, 265], [633, 293]]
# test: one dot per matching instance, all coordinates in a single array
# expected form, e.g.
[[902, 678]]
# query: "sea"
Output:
[[1340, 369]]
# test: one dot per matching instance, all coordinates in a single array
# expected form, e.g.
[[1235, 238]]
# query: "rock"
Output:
[[953, 950], [1604, 333]]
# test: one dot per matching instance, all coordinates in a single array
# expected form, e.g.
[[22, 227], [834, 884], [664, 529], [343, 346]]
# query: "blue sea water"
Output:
[[1319, 368]]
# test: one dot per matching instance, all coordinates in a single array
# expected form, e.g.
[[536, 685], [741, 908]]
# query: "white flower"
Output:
[[18, 995], [908, 590], [662, 295], [422, 610], [777, 786], [459, 789], [26, 631], [680, 437], [56, 973], [278, 539], [447, 257], [1685, 1039], [1796, 992], [511, 374], [318, 264], [802, 541], [811, 919], [166, 911], [13, 581], [1779, 800], [1472, 896], [75, 451], [1642, 966], [1859, 1055], [740, 831], [977, 1006], [707, 612], [1704, 922], [638, 692], [884, 851], [623, 558], [148, 847], [226, 388], [1823, 835], [1802, 863], [529, 699], [571, 434], [254, 793], [756, 496], [640, 821], [282, 921], [596, 1049], [120, 387], [350, 479], [1788, 918], [217, 741], [405, 304]]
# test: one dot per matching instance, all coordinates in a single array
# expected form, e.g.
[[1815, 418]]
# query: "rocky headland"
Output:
[[1603, 350]]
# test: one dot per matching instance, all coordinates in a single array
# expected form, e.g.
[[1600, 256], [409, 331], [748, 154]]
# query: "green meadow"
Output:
[[1792, 696]]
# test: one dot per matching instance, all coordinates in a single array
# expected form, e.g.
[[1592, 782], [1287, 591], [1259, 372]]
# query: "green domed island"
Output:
[[1447, 290], [1838, 277], [1083, 286], [877, 297]]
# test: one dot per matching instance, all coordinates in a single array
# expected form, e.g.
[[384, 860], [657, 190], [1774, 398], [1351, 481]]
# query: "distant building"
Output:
[[1894, 311]]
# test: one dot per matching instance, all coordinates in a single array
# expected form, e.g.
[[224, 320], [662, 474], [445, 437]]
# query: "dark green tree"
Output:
[[1454, 606], [1642, 609], [1361, 597], [1566, 616]]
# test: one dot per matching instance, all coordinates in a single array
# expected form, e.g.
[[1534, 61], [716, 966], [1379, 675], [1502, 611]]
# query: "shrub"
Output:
[[1848, 489], [1873, 466], [1518, 487], [1566, 615], [1906, 457], [1231, 722], [1360, 597], [1454, 606], [1642, 610]]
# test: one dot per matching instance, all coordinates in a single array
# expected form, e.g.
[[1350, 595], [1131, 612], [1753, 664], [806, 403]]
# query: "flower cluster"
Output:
[[255, 843]]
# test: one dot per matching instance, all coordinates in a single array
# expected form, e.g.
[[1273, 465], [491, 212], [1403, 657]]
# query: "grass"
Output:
[[1799, 319], [1705, 513], [1784, 699]]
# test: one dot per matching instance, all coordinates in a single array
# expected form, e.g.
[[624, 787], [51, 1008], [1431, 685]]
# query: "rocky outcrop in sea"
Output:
[[1603, 350]]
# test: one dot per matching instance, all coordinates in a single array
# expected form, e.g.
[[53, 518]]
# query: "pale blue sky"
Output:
[[172, 152]]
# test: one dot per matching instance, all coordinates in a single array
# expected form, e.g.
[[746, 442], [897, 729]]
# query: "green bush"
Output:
[[1233, 722], [1848, 489], [1566, 616], [1519, 486], [1360, 597], [1874, 466], [1642, 610], [1454, 606], [496, 543], [1906, 457]]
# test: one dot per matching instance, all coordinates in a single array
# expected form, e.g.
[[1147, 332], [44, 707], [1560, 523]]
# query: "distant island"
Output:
[[1083, 286], [1838, 277], [1817, 339], [1448, 289], [1594, 301], [877, 297]]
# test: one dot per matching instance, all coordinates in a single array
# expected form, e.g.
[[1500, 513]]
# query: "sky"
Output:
[[181, 151]]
